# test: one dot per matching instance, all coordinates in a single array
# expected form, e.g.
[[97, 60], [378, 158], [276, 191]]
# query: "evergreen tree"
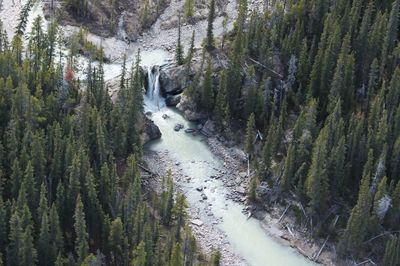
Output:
[[81, 235], [208, 90], [176, 256], [27, 251], [189, 57], [116, 241], [44, 242], [179, 47], [189, 9], [357, 224], [317, 178], [391, 33], [140, 255], [210, 36], [392, 251], [250, 136]]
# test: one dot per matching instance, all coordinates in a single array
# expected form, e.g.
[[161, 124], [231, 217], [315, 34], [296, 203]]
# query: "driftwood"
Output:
[[320, 250], [365, 261], [264, 66], [284, 212], [148, 170], [289, 230], [375, 237]]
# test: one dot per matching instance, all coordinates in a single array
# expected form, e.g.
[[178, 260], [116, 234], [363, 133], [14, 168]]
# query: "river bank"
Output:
[[275, 221], [208, 236]]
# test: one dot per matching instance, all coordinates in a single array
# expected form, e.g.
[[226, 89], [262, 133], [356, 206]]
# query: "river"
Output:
[[192, 154], [246, 236]]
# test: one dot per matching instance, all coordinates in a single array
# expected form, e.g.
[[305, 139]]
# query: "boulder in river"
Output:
[[151, 130], [178, 127]]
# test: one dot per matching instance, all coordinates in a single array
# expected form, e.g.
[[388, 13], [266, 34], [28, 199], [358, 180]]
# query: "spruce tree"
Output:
[[176, 256], [250, 135], [116, 240], [392, 252], [207, 98], [140, 255], [317, 178], [357, 224], [179, 47], [189, 9], [81, 235], [44, 242], [210, 36]]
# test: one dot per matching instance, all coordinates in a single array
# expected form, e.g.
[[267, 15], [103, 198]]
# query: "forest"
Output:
[[318, 80], [321, 81], [71, 190]]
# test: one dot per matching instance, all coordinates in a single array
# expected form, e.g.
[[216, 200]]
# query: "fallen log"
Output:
[[320, 250], [148, 170], [283, 214], [264, 66]]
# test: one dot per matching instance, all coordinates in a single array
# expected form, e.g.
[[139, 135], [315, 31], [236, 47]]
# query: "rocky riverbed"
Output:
[[208, 235], [232, 173]]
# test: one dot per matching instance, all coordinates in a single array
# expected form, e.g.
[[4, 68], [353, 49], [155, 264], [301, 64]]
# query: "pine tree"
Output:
[[357, 224], [116, 240], [221, 100], [391, 33], [176, 256], [44, 242], [189, 9], [179, 47], [179, 214], [210, 37], [392, 251], [140, 255], [15, 238], [56, 237], [394, 217], [317, 178], [30, 184], [250, 135], [190, 55], [27, 251], [81, 235], [208, 90], [3, 225]]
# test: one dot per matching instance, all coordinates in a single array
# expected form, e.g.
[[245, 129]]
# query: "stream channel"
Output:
[[246, 236]]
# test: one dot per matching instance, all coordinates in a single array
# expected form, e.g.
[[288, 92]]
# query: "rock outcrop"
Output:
[[172, 80], [150, 130], [173, 100], [188, 107]]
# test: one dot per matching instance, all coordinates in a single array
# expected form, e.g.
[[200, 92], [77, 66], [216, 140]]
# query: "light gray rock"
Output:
[[197, 222]]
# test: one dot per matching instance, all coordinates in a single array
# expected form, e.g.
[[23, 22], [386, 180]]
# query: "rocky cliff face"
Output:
[[124, 19], [172, 80]]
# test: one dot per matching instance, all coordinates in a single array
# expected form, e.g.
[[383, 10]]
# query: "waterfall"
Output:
[[153, 87], [121, 29]]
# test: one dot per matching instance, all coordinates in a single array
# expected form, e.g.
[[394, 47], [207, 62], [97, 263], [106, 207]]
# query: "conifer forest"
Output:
[[199, 132]]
